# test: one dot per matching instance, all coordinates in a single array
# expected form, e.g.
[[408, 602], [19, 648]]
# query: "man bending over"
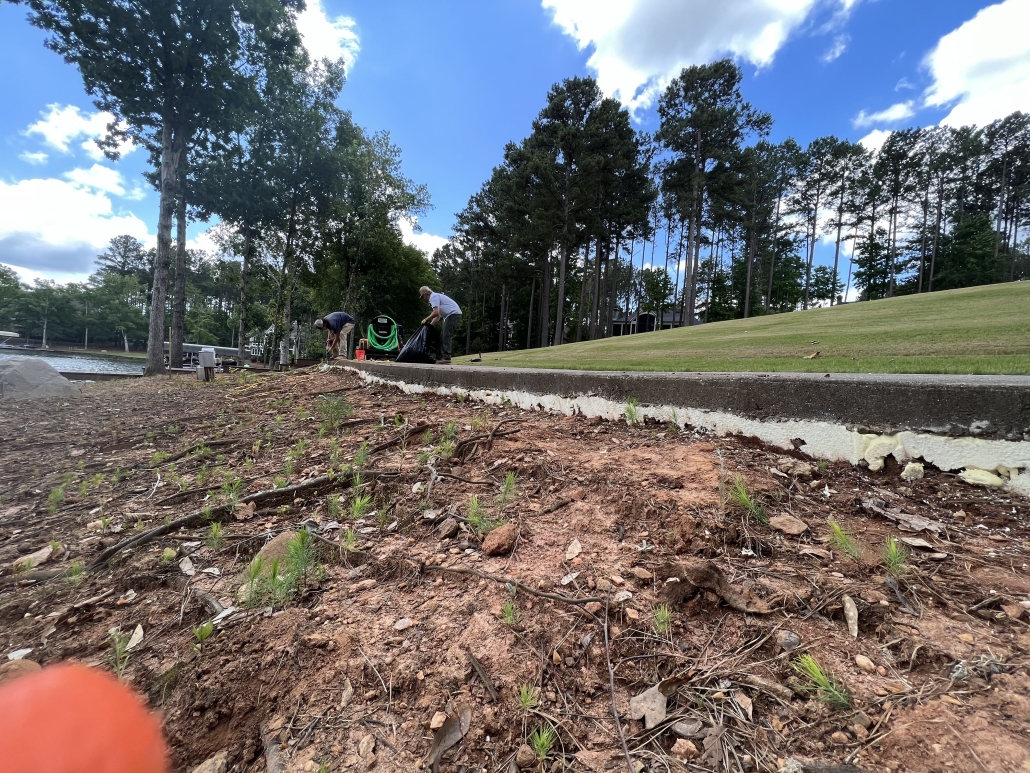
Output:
[[339, 324]]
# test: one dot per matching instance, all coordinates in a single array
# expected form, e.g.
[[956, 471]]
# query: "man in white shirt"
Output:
[[447, 311]]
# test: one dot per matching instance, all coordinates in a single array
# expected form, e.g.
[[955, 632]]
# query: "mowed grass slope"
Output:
[[977, 330]]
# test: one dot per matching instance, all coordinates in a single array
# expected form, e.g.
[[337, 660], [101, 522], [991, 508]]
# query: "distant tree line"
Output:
[[240, 126], [587, 219]]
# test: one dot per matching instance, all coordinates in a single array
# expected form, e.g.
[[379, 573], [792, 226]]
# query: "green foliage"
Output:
[[510, 613], [748, 502], [360, 504], [55, 499], [508, 490], [895, 554], [215, 536], [332, 409], [361, 457], [450, 430], [119, 657], [350, 540], [279, 481], [478, 519], [528, 697], [157, 457], [662, 622], [632, 411], [76, 571], [843, 541], [542, 741], [203, 632], [827, 688], [168, 555], [332, 506]]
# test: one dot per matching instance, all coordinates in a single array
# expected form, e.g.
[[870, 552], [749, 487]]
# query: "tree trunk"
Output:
[[775, 249], [501, 338], [613, 290], [248, 245], [171, 149], [545, 300], [1001, 207], [595, 291], [559, 316], [836, 249], [529, 321], [894, 244], [178, 336], [936, 234], [813, 236], [582, 293]]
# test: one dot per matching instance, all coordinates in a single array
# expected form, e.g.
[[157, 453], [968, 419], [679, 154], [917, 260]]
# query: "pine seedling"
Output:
[[478, 519], [75, 571], [360, 505], [55, 499], [299, 557], [450, 430], [119, 658], [509, 613], [894, 557], [542, 740], [528, 697], [280, 482], [332, 506], [254, 581], [748, 502], [215, 536], [508, 490], [632, 411], [361, 457], [826, 687], [157, 457], [350, 541], [662, 622], [843, 541], [168, 555]]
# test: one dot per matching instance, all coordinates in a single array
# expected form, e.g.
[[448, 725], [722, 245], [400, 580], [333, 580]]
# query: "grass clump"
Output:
[[826, 687], [895, 554], [747, 501], [843, 541]]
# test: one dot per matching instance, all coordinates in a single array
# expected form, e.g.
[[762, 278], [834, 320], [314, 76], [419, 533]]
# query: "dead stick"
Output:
[[611, 683], [464, 480], [404, 436], [332, 481], [493, 432], [484, 678], [196, 447], [511, 581]]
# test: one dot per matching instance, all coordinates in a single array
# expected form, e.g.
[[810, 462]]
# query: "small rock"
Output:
[[500, 541], [873, 596], [839, 738], [788, 524], [12, 669], [1015, 611], [437, 721], [684, 749], [216, 764], [862, 719], [525, 757], [860, 732], [604, 585], [622, 597], [687, 729], [574, 549], [881, 671], [913, 471], [787, 641], [796, 468], [616, 580], [632, 614], [363, 585], [32, 560], [975, 477], [850, 615], [594, 607], [641, 573], [366, 746], [447, 529], [865, 664], [404, 624], [966, 637]]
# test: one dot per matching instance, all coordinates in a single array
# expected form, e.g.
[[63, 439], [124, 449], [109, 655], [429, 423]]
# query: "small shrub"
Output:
[[542, 740], [203, 632], [361, 457], [75, 571], [55, 499], [332, 409], [215, 536], [479, 520], [528, 697], [360, 505]]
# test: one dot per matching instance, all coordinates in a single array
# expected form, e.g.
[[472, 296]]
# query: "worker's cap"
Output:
[[319, 323], [423, 290]]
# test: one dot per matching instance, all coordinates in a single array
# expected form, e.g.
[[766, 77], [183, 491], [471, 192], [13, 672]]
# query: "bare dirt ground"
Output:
[[625, 565]]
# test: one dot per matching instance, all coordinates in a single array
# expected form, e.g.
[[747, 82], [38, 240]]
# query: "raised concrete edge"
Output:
[[996, 407]]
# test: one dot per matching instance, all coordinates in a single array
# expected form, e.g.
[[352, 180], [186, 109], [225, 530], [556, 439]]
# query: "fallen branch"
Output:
[[510, 581], [193, 448], [684, 579], [404, 436], [611, 684], [465, 480], [477, 439], [493, 432], [212, 513], [484, 677]]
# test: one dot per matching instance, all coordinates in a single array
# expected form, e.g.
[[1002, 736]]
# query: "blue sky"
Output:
[[454, 81]]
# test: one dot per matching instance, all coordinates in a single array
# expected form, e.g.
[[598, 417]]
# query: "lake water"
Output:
[[81, 362]]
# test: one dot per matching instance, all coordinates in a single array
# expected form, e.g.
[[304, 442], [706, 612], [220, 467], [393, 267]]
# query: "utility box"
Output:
[[206, 365]]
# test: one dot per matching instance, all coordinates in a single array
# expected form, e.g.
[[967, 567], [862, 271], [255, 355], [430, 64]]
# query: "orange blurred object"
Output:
[[72, 719]]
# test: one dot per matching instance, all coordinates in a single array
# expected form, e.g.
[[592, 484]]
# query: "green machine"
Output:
[[384, 338]]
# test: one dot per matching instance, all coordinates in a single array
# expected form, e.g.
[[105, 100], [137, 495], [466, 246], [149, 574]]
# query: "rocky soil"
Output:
[[445, 585]]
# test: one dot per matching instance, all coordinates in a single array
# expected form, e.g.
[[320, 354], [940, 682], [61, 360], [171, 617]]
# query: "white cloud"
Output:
[[33, 158], [324, 37], [874, 140], [840, 45], [98, 178], [428, 243], [982, 68], [61, 125], [637, 47], [52, 225], [899, 111]]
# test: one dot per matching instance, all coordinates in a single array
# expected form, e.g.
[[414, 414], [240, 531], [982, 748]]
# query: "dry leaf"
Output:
[[817, 552], [450, 733], [135, 639], [741, 699], [650, 704], [573, 550], [811, 356], [187, 566]]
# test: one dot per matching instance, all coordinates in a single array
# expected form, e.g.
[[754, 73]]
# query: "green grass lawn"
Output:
[[983, 330]]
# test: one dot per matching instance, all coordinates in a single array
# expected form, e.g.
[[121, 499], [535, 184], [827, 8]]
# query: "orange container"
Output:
[[359, 354]]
